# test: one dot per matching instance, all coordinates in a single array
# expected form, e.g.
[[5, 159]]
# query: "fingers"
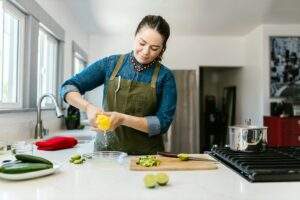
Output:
[[94, 129], [97, 130], [107, 113], [93, 122]]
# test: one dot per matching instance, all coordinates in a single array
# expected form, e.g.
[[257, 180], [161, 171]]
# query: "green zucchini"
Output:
[[32, 159], [22, 167]]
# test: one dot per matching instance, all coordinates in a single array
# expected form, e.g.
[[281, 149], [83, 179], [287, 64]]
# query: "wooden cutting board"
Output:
[[174, 164]]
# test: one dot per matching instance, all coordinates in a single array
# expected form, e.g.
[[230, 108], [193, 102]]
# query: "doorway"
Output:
[[218, 87]]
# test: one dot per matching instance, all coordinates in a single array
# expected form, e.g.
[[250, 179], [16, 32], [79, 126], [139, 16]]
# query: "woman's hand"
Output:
[[92, 112], [116, 119]]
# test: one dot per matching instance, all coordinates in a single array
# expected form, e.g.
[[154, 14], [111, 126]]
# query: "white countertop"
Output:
[[100, 180]]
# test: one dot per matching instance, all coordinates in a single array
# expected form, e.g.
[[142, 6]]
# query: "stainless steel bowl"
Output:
[[247, 138]]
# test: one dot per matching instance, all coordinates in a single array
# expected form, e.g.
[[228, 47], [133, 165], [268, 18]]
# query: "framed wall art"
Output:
[[284, 66]]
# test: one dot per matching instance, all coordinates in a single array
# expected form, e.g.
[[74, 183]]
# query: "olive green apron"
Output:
[[136, 99]]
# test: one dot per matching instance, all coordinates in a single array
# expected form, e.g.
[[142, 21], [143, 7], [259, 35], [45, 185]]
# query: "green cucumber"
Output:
[[32, 159], [21, 167]]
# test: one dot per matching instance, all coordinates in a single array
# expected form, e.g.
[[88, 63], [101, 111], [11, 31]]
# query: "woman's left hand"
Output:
[[116, 119]]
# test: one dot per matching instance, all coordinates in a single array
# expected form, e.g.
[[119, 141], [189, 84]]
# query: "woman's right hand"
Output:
[[92, 112]]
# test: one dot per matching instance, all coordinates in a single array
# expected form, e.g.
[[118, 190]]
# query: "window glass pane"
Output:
[[78, 65], [1, 46], [9, 57], [47, 65]]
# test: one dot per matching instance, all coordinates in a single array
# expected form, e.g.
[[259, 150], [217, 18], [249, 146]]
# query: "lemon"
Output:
[[183, 156], [103, 122], [149, 181], [162, 179]]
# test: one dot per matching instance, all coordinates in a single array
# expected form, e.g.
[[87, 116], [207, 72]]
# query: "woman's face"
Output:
[[148, 45]]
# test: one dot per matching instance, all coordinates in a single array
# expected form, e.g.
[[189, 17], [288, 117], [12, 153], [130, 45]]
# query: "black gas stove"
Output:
[[272, 165]]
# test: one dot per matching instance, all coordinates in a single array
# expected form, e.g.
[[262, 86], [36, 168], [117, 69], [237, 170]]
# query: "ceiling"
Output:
[[186, 17]]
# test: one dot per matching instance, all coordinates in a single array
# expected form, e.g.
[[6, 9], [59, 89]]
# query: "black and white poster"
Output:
[[284, 67]]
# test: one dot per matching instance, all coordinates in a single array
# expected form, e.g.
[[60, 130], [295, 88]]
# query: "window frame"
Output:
[[43, 29], [35, 15], [79, 53], [15, 12]]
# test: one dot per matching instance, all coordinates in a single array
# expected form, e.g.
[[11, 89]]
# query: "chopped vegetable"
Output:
[[183, 156], [148, 161], [77, 159]]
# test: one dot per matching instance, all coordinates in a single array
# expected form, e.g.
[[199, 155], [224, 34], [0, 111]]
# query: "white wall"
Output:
[[20, 126], [249, 97], [186, 52], [183, 52]]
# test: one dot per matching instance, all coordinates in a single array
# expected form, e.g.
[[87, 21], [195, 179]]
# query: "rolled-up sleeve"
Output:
[[66, 89], [166, 107], [91, 77], [153, 125]]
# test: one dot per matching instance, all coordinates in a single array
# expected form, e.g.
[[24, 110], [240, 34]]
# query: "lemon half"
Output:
[[103, 122]]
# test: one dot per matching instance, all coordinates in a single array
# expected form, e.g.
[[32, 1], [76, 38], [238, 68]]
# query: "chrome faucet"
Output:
[[39, 129]]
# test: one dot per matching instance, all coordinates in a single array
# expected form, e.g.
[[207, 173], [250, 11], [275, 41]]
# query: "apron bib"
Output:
[[132, 98]]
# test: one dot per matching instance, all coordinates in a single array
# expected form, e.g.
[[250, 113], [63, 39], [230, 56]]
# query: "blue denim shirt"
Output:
[[99, 72]]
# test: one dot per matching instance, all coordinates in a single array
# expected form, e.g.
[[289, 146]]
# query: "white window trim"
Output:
[[7, 6], [56, 74], [34, 16], [79, 53]]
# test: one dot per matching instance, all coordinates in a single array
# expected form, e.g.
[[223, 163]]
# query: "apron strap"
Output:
[[117, 67], [155, 75]]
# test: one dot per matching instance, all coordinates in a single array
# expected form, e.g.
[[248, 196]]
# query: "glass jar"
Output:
[[22, 147]]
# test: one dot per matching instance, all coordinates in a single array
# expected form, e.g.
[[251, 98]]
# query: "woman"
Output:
[[139, 92]]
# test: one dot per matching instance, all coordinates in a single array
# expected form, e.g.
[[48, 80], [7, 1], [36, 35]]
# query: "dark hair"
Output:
[[159, 24]]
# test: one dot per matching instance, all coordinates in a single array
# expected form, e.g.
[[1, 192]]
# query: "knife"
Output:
[[173, 155]]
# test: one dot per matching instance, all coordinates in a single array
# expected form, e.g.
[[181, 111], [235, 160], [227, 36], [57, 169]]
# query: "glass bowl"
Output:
[[116, 156], [22, 147]]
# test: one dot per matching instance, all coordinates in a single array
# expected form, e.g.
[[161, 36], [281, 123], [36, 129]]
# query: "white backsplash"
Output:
[[20, 126]]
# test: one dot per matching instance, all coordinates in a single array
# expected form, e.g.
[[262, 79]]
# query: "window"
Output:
[[11, 55], [79, 58], [79, 63], [47, 65], [28, 33]]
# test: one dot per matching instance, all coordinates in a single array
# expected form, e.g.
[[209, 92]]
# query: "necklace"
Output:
[[138, 66]]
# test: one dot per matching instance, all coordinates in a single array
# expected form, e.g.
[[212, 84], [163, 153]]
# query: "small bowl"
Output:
[[117, 156], [22, 147]]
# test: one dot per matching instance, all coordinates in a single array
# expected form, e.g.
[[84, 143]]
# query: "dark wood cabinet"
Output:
[[283, 131]]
